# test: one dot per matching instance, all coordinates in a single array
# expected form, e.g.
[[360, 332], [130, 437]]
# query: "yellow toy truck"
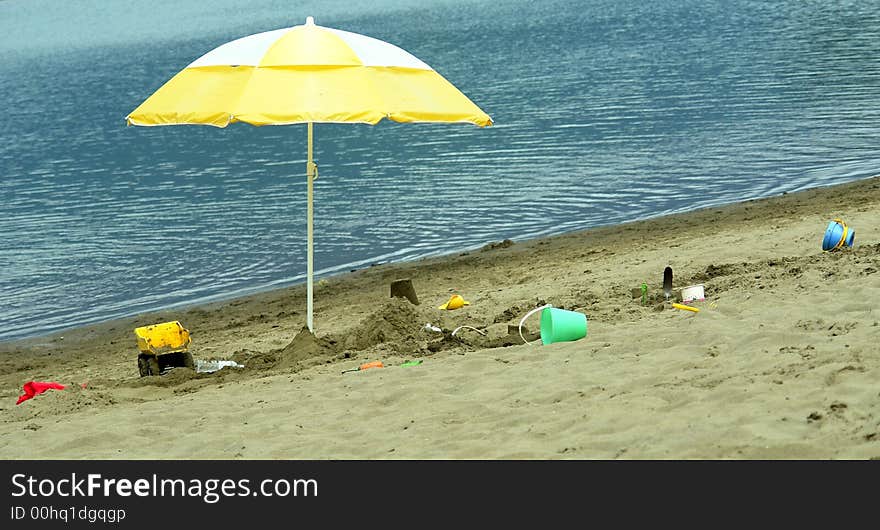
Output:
[[163, 345]]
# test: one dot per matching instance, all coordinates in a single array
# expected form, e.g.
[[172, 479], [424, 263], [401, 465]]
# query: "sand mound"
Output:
[[254, 360], [402, 328], [305, 350], [397, 325]]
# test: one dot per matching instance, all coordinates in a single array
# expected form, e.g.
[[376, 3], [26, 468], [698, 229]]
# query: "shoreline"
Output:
[[777, 364], [248, 292]]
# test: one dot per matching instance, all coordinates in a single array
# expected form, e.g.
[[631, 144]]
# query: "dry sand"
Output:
[[782, 361]]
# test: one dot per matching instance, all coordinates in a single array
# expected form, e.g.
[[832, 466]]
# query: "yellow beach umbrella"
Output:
[[306, 74]]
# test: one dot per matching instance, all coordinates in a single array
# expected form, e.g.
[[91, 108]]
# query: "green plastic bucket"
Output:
[[559, 325]]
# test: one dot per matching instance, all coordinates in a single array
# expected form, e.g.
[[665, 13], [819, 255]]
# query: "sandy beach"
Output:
[[781, 361]]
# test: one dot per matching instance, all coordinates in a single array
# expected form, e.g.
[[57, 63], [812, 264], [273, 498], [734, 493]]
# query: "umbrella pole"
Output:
[[310, 173]]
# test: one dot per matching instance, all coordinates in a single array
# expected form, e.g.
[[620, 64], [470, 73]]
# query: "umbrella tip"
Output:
[[310, 21]]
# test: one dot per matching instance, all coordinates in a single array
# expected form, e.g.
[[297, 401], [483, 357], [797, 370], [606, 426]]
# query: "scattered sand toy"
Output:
[[455, 302], [686, 307], [35, 388], [837, 236], [667, 282], [366, 366], [163, 345], [693, 293], [641, 292], [413, 362], [459, 328], [557, 325]]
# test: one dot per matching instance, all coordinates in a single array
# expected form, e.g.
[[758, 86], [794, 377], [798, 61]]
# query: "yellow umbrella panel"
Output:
[[306, 74]]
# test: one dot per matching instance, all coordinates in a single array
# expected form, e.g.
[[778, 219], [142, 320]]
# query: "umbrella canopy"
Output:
[[306, 74]]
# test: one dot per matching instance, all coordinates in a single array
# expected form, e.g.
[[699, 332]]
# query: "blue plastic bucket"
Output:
[[837, 235]]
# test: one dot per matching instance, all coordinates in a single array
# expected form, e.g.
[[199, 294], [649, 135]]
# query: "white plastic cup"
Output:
[[693, 292]]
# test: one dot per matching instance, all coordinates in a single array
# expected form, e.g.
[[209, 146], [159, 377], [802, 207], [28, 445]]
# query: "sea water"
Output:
[[605, 111]]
